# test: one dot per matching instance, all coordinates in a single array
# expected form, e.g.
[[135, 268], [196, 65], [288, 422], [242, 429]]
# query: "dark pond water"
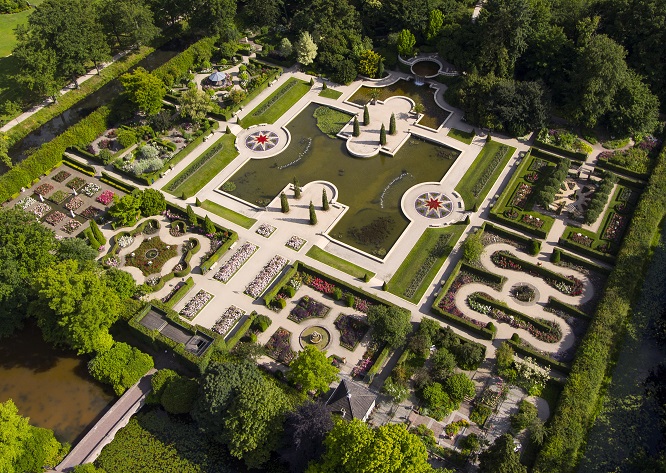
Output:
[[105, 94], [50, 386], [371, 187]]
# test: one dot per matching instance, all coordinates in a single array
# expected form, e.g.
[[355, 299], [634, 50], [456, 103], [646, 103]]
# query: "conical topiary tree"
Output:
[[324, 86], [324, 200], [382, 135], [284, 203], [228, 130], [198, 202], [209, 226], [392, 127], [313, 214], [297, 189], [357, 128], [191, 216], [366, 116]]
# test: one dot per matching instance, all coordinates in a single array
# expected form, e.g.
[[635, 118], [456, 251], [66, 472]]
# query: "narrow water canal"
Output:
[[50, 386]]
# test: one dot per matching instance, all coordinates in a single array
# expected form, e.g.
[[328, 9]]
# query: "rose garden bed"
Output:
[[308, 308], [151, 255], [352, 330], [278, 346]]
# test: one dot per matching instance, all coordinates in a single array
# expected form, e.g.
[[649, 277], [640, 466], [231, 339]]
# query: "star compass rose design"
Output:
[[262, 140], [433, 205]]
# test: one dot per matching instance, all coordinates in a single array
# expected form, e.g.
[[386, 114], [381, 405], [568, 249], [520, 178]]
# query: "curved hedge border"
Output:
[[580, 398]]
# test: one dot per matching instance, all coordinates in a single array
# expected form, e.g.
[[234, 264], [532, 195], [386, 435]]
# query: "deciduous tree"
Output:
[[501, 457], [306, 49], [406, 42], [144, 90], [390, 324], [312, 371], [195, 104]]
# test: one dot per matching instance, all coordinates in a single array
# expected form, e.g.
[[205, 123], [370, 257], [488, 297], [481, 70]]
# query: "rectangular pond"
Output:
[[371, 187]]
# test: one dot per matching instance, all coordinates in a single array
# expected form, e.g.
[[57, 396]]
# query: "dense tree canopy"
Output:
[[144, 90], [304, 432], [391, 324], [312, 371]]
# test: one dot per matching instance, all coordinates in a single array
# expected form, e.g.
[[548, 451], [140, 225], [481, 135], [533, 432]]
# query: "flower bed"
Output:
[[523, 191], [76, 183], [125, 241], [581, 239], [196, 304], [532, 221], [25, 202], [448, 303], [265, 230], [44, 189], [295, 243], [615, 228], [325, 287], [112, 261], [538, 164], [71, 226], [266, 275], [74, 204], [106, 197], [489, 170], [352, 330], [90, 189], [59, 197], [61, 176], [55, 218], [40, 209], [143, 258], [238, 259], [532, 177], [228, 320], [177, 229], [91, 212], [308, 308], [278, 346]]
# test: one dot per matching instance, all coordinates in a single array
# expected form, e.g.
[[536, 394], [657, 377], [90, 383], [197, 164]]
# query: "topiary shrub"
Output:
[[179, 395], [337, 293], [350, 300], [121, 366], [289, 291], [262, 322], [556, 256]]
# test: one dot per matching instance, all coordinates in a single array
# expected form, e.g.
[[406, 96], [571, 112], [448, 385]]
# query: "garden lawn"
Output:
[[228, 214], [207, 171], [477, 169], [7, 25], [330, 94], [409, 269], [277, 103], [464, 136], [338, 263]]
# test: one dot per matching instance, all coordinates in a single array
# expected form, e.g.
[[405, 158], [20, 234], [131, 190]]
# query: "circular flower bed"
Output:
[[433, 205], [152, 253], [262, 140]]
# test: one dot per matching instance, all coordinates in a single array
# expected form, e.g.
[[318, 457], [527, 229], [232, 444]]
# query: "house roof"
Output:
[[351, 400]]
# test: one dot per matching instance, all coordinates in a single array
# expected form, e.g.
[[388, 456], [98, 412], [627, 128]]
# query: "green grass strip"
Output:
[[338, 263], [421, 265], [192, 179], [277, 103], [479, 167], [330, 94], [228, 214], [464, 136]]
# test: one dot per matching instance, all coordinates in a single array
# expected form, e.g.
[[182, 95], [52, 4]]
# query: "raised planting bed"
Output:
[[308, 308], [269, 272], [237, 260], [228, 320], [278, 346], [196, 304], [151, 255], [352, 330]]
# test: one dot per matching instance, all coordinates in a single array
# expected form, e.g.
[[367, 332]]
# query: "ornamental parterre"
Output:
[[266, 275], [105, 197], [196, 304], [228, 320], [433, 205], [263, 140], [71, 226], [237, 260]]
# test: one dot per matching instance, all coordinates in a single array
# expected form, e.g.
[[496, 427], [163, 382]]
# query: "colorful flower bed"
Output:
[[325, 287], [295, 243], [278, 346], [59, 197], [177, 229], [265, 230], [615, 228], [238, 259], [74, 204], [61, 176], [266, 275], [112, 261], [308, 308], [196, 304], [44, 189], [55, 218], [90, 189], [106, 197], [448, 303], [25, 202], [532, 177], [40, 209], [228, 320], [125, 241], [76, 183], [71, 226], [143, 258], [521, 195], [538, 164], [532, 221], [581, 239], [352, 330], [91, 212]]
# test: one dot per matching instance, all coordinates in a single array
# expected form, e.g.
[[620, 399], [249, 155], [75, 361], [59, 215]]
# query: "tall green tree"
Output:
[[76, 249], [306, 49], [284, 203], [195, 104], [152, 202], [635, 109], [390, 324], [406, 43], [312, 371], [214, 18], [26, 248], [127, 210], [352, 447], [324, 200], [313, 214], [304, 430], [128, 22], [501, 457], [75, 307], [144, 90], [121, 366], [435, 23]]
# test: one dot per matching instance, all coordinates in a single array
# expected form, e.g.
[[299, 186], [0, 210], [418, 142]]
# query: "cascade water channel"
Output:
[[54, 127]]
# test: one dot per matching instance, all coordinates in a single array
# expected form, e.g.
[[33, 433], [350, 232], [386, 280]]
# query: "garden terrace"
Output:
[[433, 117], [374, 221]]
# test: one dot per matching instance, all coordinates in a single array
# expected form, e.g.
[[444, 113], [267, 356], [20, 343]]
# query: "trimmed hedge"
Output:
[[180, 293], [580, 398], [206, 265], [180, 65], [575, 155], [573, 259], [519, 315], [49, 155], [569, 309], [538, 356], [377, 365], [499, 218], [604, 164], [81, 167], [268, 297], [507, 234], [242, 330], [117, 183], [564, 242]]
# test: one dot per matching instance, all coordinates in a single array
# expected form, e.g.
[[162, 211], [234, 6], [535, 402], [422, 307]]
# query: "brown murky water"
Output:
[[50, 386]]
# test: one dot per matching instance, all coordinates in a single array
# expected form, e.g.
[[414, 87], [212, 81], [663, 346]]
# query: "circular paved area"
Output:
[[433, 203], [262, 141]]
